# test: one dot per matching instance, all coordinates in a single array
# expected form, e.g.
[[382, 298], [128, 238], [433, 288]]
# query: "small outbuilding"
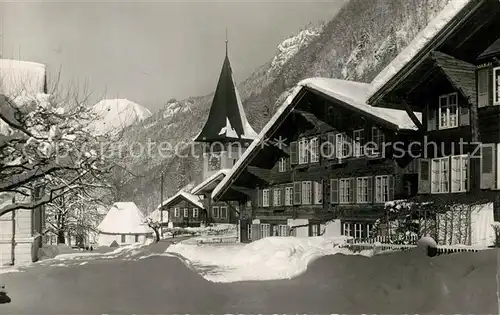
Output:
[[125, 224]]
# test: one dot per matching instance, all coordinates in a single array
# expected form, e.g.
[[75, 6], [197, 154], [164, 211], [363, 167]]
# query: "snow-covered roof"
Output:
[[188, 196], [116, 114], [214, 177], [124, 218], [21, 77], [351, 93], [355, 94], [417, 44]]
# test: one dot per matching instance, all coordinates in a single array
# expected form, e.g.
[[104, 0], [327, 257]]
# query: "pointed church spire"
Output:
[[226, 41], [226, 120]]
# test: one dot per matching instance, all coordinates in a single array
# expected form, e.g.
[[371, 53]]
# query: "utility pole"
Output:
[[161, 206]]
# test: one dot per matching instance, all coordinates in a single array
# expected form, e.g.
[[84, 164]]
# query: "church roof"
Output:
[[227, 120]]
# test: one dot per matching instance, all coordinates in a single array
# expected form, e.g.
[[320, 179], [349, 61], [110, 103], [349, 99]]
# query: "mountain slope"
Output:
[[117, 114], [355, 44]]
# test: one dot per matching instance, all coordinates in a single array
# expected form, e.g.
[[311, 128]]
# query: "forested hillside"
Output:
[[355, 44]]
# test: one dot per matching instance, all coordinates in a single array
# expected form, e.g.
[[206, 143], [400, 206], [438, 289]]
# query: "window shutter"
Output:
[[283, 193], [293, 153], [352, 190], [261, 197], [424, 181], [370, 189], [391, 187], [297, 193], [487, 166], [331, 145], [431, 118], [483, 87], [334, 191], [490, 86], [464, 114]]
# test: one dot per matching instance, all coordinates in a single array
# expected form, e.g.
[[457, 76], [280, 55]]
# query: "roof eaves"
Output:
[[424, 52], [382, 121]]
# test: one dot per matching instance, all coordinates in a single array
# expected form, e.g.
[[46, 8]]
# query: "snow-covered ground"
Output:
[[266, 259]]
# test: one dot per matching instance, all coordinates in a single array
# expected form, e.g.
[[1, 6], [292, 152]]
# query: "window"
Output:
[[378, 139], [318, 193], [282, 230], [369, 230], [343, 145], [186, 212], [314, 230], [382, 189], [459, 166], [265, 230], [288, 196], [314, 148], [362, 194], [282, 165], [303, 151], [223, 212], [215, 211], [177, 213], [196, 213], [359, 142], [123, 238], [339, 140], [440, 175], [448, 111], [496, 86], [136, 238], [306, 193], [347, 229], [277, 197], [344, 190], [358, 230], [265, 198]]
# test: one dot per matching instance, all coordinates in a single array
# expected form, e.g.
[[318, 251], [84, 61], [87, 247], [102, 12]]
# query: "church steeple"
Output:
[[226, 121]]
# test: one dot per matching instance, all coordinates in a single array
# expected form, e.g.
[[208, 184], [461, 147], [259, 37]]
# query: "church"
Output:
[[224, 137]]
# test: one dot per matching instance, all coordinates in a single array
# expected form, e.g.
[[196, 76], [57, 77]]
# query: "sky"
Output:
[[150, 52]]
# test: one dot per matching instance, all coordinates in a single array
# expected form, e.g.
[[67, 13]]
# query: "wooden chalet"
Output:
[[184, 210], [225, 136], [322, 157], [447, 82], [454, 80]]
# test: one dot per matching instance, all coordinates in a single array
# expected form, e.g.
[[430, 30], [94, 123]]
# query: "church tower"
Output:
[[226, 133]]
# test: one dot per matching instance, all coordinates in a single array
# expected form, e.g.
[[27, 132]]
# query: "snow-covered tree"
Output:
[[75, 213], [45, 142]]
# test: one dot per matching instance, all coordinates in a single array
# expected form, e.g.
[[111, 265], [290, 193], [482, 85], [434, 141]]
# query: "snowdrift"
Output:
[[408, 282], [266, 259]]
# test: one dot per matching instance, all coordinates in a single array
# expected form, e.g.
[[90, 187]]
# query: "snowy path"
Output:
[[393, 283]]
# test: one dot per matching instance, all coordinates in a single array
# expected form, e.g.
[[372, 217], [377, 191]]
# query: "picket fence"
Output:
[[218, 241], [358, 245]]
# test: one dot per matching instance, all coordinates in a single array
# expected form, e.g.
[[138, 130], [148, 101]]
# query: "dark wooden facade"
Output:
[[454, 85], [281, 186], [184, 213]]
